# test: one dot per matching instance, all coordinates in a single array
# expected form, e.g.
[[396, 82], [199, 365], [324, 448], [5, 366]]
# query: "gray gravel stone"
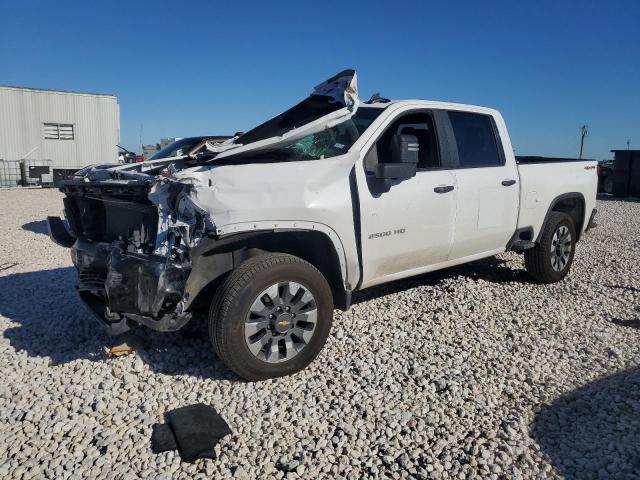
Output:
[[474, 372]]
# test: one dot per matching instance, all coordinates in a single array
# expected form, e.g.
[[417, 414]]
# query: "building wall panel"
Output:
[[96, 120]]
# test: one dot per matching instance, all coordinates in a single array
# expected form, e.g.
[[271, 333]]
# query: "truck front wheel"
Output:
[[550, 260], [271, 316]]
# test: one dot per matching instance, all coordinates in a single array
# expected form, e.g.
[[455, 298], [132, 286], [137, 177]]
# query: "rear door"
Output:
[[406, 225], [487, 186]]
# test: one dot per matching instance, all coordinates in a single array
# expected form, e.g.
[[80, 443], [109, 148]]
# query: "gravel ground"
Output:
[[470, 373]]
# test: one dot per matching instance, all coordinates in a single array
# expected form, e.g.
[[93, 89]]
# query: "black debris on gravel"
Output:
[[193, 430]]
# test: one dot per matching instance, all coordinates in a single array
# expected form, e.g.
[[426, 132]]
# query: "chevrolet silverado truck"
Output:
[[265, 234]]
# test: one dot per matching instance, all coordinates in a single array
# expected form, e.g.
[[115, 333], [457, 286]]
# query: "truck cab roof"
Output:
[[431, 104]]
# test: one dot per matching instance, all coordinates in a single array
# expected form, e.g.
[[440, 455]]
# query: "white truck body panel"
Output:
[[250, 197], [425, 219], [486, 212], [541, 184]]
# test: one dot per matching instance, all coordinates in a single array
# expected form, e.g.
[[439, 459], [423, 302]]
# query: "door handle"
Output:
[[444, 189], [508, 183]]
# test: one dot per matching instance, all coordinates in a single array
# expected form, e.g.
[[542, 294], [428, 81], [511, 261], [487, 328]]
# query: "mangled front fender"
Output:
[[312, 195], [182, 222]]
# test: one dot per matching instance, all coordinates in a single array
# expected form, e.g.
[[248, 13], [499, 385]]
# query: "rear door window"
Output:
[[476, 140]]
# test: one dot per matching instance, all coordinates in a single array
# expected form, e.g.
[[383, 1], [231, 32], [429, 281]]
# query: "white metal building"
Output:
[[72, 129]]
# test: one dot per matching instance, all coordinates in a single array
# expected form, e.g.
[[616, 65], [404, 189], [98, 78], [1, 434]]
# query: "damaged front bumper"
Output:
[[131, 244], [124, 289]]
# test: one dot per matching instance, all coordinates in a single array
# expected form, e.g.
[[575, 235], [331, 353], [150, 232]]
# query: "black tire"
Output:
[[539, 260], [232, 303]]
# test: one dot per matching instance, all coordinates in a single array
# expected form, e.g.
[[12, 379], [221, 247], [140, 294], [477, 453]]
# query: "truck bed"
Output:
[[544, 182]]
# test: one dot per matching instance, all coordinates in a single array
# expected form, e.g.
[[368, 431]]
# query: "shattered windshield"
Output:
[[327, 143]]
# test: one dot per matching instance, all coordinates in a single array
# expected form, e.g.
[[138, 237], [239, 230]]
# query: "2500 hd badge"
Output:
[[388, 233]]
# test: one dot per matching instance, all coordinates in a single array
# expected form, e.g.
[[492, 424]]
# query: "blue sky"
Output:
[[191, 68]]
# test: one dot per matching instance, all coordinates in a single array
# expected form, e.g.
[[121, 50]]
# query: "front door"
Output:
[[405, 225]]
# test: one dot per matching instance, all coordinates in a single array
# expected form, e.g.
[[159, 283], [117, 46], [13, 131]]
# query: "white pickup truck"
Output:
[[271, 230]]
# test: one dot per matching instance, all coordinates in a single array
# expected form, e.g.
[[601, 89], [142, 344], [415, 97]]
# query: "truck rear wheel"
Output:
[[271, 316], [550, 260]]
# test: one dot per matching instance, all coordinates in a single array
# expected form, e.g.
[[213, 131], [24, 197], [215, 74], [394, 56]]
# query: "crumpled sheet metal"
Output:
[[182, 220], [342, 88], [239, 193]]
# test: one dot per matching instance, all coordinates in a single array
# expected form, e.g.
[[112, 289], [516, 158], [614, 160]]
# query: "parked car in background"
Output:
[[125, 156], [185, 146], [266, 233]]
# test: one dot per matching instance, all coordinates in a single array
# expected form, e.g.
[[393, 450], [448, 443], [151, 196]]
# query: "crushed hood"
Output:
[[332, 101]]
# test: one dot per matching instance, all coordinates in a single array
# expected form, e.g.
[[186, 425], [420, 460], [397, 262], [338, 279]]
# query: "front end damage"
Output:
[[140, 241], [131, 242]]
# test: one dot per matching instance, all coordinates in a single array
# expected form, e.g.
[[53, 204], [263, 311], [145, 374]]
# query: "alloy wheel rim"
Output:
[[560, 248], [281, 322]]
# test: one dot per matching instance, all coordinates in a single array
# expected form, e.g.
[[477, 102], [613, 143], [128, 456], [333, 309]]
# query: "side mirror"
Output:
[[403, 163]]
